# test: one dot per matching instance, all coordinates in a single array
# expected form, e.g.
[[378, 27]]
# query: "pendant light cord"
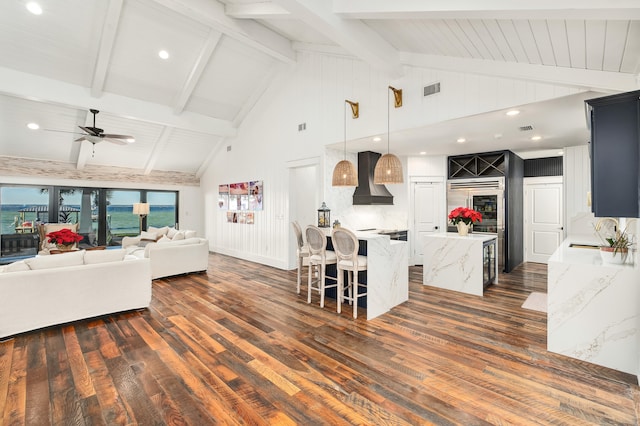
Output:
[[388, 114], [345, 129]]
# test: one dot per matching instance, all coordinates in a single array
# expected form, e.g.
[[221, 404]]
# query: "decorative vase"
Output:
[[65, 247], [614, 256], [463, 228]]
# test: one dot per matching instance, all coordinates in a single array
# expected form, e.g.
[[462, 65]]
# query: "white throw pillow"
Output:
[[179, 236], [161, 231], [189, 234], [17, 267], [149, 236], [56, 260], [103, 256], [171, 232], [164, 239]]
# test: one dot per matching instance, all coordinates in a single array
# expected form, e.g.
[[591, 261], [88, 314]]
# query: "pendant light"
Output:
[[345, 174], [389, 168]]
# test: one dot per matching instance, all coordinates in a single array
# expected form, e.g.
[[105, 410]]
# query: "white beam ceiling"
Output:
[[581, 78], [354, 35], [261, 10], [492, 9], [109, 31], [212, 13], [29, 86]]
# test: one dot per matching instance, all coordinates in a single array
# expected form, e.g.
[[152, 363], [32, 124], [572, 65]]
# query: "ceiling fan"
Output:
[[95, 134]]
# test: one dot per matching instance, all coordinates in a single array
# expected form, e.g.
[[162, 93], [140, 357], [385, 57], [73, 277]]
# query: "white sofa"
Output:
[[171, 251], [174, 257], [56, 289]]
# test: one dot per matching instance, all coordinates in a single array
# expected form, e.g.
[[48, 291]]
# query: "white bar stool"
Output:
[[302, 252], [319, 258], [346, 246]]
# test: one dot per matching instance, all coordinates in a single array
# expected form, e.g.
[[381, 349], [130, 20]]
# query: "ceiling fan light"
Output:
[[388, 170], [34, 8], [33, 126], [345, 174]]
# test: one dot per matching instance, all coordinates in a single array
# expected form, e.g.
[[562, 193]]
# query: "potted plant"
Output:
[[615, 247], [463, 218], [65, 238]]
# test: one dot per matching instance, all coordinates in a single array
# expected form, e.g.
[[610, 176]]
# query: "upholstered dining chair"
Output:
[[346, 246], [319, 258], [302, 251]]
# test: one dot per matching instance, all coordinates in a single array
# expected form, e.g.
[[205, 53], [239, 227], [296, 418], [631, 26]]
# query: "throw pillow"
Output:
[[189, 234], [171, 232], [148, 236], [164, 239], [56, 260], [17, 267], [162, 231], [179, 236], [103, 256]]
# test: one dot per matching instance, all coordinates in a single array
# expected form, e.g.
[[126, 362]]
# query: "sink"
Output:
[[587, 246]]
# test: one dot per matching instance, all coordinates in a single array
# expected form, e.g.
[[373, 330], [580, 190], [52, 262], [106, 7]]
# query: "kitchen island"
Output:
[[387, 274], [593, 307], [462, 263]]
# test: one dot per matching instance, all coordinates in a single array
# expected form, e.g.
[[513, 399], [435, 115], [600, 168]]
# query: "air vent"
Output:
[[302, 126], [432, 89], [526, 128], [228, 148]]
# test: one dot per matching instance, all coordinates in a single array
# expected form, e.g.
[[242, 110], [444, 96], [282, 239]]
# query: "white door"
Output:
[[543, 219], [427, 216], [303, 202]]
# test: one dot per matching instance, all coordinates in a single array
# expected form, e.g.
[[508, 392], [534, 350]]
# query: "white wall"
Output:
[[313, 92], [577, 184]]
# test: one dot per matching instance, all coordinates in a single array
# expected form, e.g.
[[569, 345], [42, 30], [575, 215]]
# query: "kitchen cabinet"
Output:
[[615, 155]]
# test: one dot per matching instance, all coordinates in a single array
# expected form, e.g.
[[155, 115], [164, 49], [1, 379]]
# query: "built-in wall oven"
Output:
[[485, 195]]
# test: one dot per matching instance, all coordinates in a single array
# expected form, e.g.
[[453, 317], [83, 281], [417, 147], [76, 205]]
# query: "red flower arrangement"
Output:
[[64, 236], [464, 214]]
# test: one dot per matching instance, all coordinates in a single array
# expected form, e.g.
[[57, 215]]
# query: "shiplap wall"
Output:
[[577, 183], [313, 92]]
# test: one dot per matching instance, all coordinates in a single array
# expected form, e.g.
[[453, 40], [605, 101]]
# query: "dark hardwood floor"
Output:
[[237, 345]]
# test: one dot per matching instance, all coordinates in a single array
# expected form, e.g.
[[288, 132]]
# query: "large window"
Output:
[[104, 215]]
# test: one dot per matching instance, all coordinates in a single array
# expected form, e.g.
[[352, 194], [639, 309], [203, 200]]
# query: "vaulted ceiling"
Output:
[[80, 54]]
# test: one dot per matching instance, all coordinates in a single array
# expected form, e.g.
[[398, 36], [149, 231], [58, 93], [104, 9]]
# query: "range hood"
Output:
[[368, 193]]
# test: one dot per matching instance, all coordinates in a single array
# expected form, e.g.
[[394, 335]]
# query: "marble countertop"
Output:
[[584, 256], [472, 236], [361, 235]]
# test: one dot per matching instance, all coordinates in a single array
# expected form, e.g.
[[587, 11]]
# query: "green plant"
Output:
[[619, 241]]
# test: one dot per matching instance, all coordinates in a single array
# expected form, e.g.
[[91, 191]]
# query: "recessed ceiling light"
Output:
[[163, 54], [536, 138], [423, 152], [377, 139], [513, 112], [461, 140], [33, 126], [34, 8]]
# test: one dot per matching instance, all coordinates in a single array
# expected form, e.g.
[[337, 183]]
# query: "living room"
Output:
[[238, 101]]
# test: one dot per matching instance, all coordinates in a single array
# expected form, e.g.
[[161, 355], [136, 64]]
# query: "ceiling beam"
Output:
[[158, 146], [572, 77], [212, 154], [212, 13], [37, 88], [493, 9], [260, 10], [355, 36], [198, 68], [103, 57]]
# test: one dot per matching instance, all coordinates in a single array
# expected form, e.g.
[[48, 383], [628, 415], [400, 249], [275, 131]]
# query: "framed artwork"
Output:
[[223, 201], [255, 202], [241, 199], [250, 218], [241, 188], [230, 217]]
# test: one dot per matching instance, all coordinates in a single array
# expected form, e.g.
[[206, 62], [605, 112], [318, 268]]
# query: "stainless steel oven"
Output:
[[485, 195]]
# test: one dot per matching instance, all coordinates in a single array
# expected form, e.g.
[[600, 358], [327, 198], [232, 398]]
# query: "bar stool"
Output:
[[319, 258], [346, 246], [302, 252]]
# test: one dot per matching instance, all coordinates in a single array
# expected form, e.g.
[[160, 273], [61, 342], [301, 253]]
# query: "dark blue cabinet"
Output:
[[615, 155]]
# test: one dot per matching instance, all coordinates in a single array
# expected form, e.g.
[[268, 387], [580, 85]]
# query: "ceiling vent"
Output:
[[432, 89], [526, 128], [228, 148]]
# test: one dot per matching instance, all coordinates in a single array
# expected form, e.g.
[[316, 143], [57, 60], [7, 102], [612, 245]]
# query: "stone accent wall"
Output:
[[13, 166]]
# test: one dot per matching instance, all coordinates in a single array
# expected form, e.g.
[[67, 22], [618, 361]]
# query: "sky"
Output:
[[25, 195]]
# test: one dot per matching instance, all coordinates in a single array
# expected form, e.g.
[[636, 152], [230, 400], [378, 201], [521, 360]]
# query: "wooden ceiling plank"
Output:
[[158, 146], [576, 38], [107, 40], [494, 9], [594, 42], [513, 39], [487, 40], [528, 41], [540, 32], [615, 43], [500, 40], [559, 43], [631, 58]]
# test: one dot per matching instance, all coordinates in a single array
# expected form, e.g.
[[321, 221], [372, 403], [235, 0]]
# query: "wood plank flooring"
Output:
[[237, 345]]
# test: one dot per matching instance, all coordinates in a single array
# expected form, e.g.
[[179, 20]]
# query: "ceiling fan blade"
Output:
[[80, 139], [117, 141], [124, 139], [62, 131], [89, 130]]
